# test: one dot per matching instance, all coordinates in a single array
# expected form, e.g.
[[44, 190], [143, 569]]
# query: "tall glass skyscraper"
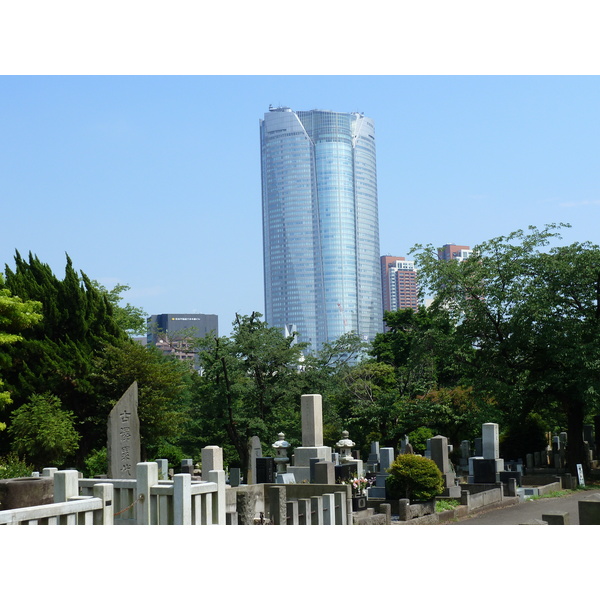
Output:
[[320, 224]]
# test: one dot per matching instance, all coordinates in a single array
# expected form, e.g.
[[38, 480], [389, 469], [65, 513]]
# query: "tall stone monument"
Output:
[[311, 406], [123, 436], [440, 456], [487, 467]]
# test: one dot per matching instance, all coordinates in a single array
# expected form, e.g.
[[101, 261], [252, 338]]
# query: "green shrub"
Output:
[[442, 505], [11, 466], [43, 431], [96, 463], [414, 477]]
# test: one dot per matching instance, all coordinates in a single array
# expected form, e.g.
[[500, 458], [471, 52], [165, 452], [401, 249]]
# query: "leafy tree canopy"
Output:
[[16, 315], [531, 312]]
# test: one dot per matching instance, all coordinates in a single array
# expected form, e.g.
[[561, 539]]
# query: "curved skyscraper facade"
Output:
[[320, 224]]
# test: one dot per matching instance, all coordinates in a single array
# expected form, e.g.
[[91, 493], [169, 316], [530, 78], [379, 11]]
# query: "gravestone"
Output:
[[428, 448], [373, 460], [312, 438], [123, 436], [484, 470], [324, 473], [212, 460], [490, 440], [386, 458], [465, 453], [312, 420], [235, 476], [439, 455], [344, 472], [254, 452], [486, 467], [285, 478], [187, 466], [265, 469], [163, 468]]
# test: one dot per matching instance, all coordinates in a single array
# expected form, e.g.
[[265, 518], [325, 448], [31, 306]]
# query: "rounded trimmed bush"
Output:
[[414, 477]]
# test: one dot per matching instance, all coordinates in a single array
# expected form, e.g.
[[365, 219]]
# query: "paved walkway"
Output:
[[528, 510]]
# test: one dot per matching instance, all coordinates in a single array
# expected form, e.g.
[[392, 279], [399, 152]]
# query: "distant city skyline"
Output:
[[154, 182]]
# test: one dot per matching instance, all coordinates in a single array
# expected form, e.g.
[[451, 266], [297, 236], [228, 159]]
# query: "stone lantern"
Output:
[[345, 445], [281, 459]]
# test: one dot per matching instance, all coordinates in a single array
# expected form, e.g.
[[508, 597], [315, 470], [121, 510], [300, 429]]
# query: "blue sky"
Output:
[[154, 182]]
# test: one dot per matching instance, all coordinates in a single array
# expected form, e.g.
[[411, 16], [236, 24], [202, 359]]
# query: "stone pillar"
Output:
[[304, 509], [316, 508], [277, 505], [328, 509], [146, 477], [182, 499], [254, 451], [386, 458], [292, 512], [163, 468], [490, 440], [312, 420], [340, 508], [219, 505], [104, 491], [65, 485], [212, 460]]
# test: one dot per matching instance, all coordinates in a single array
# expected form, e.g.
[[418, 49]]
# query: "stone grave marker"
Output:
[[312, 438], [123, 436], [439, 455], [254, 451], [212, 460], [265, 469]]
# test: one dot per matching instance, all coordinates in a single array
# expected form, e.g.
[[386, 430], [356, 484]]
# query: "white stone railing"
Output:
[[148, 501], [68, 508]]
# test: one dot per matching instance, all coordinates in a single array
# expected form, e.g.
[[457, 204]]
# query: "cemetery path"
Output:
[[528, 510]]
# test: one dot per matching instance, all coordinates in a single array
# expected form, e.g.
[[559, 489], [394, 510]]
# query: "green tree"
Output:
[[44, 432], [16, 315], [250, 385], [130, 319], [422, 347], [163, 392], [532, 314], [366, 403], [56, 354]]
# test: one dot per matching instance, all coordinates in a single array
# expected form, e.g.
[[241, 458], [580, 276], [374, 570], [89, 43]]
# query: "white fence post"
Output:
[[340, 508], [182, 499], [328, 509], [65, 485], [104, 491], [316, 507], [146, 475], [219, 505]]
